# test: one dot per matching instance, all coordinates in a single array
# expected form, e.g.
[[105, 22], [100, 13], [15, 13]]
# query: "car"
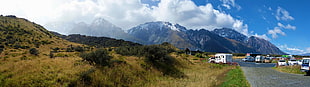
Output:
[[267, 60], [248, 59], [212, 60], [282, 63], [299, 62], [292, 62]]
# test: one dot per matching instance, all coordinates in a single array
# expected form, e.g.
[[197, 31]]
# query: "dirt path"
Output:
[[262, 75]]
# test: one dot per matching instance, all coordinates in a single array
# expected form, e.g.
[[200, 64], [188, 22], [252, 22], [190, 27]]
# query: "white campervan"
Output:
[[305, 65], [223, 58], [259, 59]]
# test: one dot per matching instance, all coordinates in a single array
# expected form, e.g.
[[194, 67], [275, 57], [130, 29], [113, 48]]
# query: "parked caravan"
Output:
[[259, 59], [223, 58], [305, 65]]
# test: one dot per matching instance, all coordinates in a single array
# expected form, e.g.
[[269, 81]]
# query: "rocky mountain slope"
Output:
[[218, 40], [204, 40], [231, 34], [261, 45]]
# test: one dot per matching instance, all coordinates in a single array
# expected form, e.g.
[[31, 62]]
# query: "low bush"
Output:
[[34, 51], [156, 56], [98, 57]]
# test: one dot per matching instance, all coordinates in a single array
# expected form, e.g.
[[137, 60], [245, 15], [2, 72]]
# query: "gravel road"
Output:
[[262, 75]]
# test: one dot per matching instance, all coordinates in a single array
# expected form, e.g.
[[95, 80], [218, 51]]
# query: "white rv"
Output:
[[259, 59], [223, 58], [305, 67]]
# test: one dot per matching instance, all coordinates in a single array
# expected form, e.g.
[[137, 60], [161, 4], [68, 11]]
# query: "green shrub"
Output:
[[34, 51], [1, 48], [156, 56], [98, 57]]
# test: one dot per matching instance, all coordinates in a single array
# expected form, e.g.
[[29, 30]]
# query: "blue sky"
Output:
[[260, 16], [282, 22]]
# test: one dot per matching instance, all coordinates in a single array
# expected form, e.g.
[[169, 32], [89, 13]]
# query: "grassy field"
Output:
[[235, 78], [28, 70], [289, 69], [198, 75]]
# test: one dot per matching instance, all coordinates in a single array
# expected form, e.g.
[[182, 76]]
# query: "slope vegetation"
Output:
[[32, 56]]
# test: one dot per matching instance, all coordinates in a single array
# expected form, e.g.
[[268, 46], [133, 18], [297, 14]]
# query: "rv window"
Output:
[[222, 56], [305, 61]]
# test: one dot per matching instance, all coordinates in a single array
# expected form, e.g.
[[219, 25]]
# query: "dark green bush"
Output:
[[156, 56], [1, 48], [79, 49], [98, 57], [34, 51]]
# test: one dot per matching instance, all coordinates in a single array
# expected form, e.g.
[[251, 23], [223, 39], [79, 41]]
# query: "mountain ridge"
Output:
[[159, 31]]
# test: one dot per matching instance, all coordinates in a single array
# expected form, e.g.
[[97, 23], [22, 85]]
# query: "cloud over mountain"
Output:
[[125, 13]]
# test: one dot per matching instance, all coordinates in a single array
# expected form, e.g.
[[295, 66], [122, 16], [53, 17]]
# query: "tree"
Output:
[[34, 51]]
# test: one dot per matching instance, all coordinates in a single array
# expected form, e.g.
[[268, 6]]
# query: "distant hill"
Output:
[[96, 41]]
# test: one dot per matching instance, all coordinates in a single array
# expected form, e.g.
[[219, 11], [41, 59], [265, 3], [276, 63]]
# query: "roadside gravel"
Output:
[[262, 75]]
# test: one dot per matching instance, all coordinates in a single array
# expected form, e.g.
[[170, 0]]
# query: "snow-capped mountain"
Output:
[[159, 32], [231, 34], [204, 40], [99, 27], [261, 45], [218, 40], [157, 26]]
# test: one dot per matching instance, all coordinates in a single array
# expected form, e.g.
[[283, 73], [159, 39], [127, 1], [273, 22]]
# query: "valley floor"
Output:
[[198, 75]]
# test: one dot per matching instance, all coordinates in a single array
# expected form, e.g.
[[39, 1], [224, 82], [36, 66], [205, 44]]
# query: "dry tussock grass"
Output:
[[199, 74], [41, 71]]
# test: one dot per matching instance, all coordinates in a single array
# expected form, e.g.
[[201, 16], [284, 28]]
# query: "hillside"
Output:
[[96, 41], [32, 56]]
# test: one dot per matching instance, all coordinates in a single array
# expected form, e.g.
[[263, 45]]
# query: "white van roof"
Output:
[[305, 58]]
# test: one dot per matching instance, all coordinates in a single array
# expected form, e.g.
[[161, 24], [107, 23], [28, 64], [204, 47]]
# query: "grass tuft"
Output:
[[235, 78], [289, 69]]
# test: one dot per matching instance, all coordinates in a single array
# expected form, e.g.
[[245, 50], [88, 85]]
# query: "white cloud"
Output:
[[124, 13], [275, 32], [269, 8], [264, 36], [308, 50], [288, 26], [291, 50], [226, 5], [186, 13], [230, 3], [282, 14]]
